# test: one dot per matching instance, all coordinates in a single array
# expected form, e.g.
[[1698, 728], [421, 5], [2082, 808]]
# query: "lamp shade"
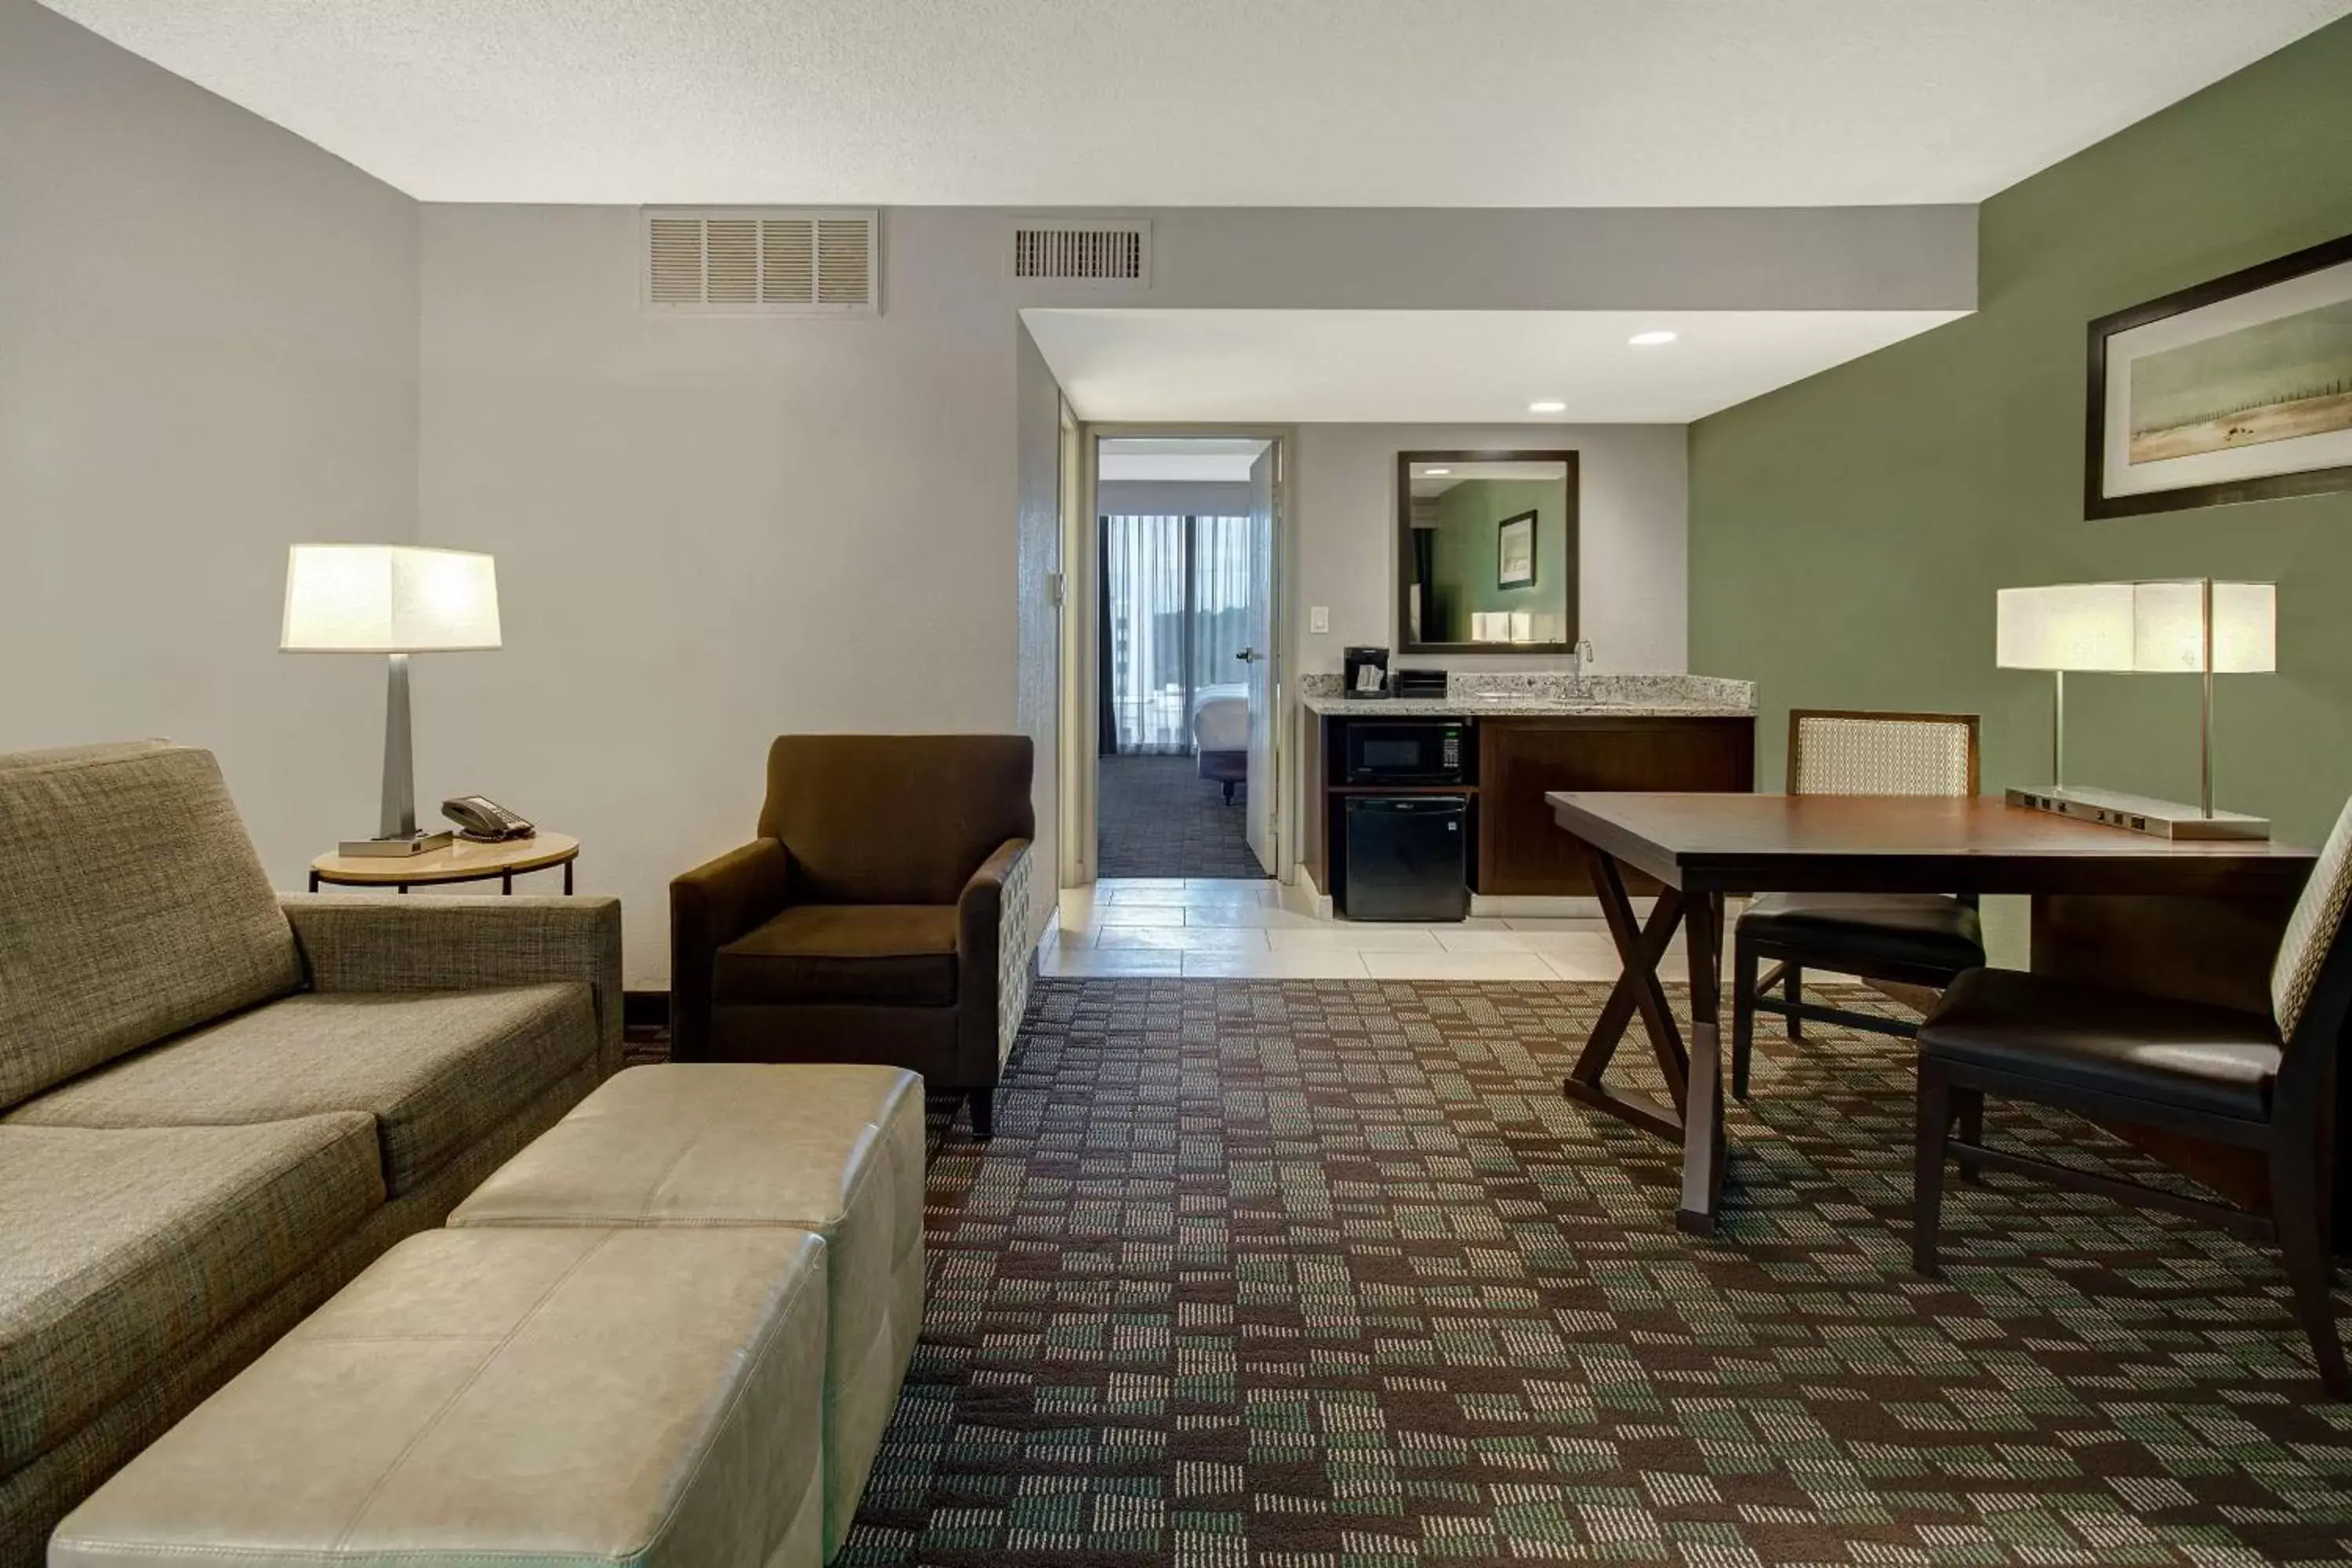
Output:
[[2168, 627], [388, 598], [2065, 625]]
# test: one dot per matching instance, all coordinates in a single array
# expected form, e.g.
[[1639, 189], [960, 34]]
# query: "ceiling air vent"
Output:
[[740, 261], [1109, 253]]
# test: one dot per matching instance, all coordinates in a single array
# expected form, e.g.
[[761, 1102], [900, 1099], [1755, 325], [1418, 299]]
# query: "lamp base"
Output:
[[2138, 813], [394, 848]]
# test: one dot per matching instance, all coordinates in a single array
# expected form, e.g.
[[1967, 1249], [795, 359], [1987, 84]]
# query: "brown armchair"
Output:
[[879, 917]]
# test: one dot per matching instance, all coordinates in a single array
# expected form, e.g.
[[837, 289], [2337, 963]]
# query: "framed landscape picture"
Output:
[[2236, 390], [1515, 551]]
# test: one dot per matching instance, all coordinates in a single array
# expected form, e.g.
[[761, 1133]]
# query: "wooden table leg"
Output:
[[1640, 948], [1703, 1148]]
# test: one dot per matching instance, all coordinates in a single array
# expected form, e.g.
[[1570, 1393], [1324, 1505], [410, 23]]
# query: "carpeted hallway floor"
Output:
[[1156, 816], [1326, 1274]]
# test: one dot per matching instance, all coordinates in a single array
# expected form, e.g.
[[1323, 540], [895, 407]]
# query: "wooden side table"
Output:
[[462, 860]]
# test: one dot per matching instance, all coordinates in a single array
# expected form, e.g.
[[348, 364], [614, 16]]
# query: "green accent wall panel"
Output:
[[1847, 532]]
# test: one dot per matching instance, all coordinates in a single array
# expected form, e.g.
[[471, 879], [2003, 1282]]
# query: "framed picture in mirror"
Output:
[[1515, 552], [1487, 552]]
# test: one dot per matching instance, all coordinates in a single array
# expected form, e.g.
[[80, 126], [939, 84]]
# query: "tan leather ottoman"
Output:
[[837, 1149], [557, 1396]]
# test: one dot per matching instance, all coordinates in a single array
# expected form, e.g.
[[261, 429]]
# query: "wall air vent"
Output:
[[1114, 253], [744, 261]]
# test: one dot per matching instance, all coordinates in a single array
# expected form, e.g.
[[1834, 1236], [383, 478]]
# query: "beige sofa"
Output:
[[217, 1103]]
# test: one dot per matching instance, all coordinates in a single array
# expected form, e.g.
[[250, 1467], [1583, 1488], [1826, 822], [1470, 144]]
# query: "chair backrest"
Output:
[[1831, 751], [131, 907], [895, 819], [2315, 941]]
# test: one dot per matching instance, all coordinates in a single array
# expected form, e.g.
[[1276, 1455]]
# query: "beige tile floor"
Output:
[[1230, 930]]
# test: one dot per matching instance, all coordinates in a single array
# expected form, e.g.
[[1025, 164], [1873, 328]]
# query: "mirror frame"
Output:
[[1567, 457]]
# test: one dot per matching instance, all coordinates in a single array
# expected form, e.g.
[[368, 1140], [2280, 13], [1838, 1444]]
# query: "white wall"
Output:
[[713, 530], [709, 532], [207, 352], [1632, 548]]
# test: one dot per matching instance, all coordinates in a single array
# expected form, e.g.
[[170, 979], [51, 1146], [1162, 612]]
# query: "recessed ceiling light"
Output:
[[1435, 473], [1651, 339], [1547, 406]]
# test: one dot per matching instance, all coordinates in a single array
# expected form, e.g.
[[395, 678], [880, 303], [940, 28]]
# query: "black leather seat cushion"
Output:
[[1925, 928], [2186, 1053]]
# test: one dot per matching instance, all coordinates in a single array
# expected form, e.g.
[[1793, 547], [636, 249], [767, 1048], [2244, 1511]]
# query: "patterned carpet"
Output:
[[1156, 816], [1326, 1274]]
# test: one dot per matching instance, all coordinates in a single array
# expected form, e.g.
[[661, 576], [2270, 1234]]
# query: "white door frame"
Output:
[[1076, 717], [1084, 596]]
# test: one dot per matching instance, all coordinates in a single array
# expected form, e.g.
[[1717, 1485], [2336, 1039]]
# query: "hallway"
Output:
[[1157, 817]]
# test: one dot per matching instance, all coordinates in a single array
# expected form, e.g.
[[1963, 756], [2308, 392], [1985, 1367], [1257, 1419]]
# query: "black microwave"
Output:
[[1407, 752]]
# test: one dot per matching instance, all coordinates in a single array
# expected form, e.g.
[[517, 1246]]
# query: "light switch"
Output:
[[1319, 619]]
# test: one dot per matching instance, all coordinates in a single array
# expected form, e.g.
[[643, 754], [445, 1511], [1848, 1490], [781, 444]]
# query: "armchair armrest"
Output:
[[710, 907], [991, 971], [358, 942]]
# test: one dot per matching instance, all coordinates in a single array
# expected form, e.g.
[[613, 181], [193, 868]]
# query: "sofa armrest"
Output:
[[710, 907], [389, 943], [992, 965]]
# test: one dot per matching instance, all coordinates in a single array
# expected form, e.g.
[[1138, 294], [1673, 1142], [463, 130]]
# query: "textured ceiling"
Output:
[[1468, 367], [1204, 103]]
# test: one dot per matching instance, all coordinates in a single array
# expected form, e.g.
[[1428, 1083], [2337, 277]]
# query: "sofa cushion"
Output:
[[131, 907], [125, 1248], [899, 955], [437, 1070]]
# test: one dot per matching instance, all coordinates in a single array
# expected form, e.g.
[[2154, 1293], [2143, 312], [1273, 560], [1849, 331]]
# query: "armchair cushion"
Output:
[[439, 1070], [897, 956], [2186, 1053]]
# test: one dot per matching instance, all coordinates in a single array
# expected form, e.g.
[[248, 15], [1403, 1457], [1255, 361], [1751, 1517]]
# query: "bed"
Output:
[[1221, 735]]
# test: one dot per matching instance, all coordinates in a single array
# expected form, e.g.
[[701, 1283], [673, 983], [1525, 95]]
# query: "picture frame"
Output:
[[1515, 552], [2236, 390]]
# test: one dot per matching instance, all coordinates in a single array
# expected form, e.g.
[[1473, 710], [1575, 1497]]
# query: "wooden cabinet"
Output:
[[1517, 849], [1521, 850]]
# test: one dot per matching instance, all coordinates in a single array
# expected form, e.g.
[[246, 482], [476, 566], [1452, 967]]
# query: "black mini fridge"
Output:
[[1407, 856]]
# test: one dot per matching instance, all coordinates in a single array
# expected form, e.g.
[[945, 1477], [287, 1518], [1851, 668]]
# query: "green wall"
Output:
[[1847, 532], [1468, 552]]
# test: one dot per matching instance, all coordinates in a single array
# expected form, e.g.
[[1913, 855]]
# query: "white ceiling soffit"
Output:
[[1444, 366], [1214, 460], [1211, 102]]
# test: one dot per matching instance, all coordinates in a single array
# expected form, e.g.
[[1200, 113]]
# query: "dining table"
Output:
[[2196, 919]]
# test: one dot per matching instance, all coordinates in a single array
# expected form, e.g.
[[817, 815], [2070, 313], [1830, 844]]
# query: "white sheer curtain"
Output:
[[1175, 608]]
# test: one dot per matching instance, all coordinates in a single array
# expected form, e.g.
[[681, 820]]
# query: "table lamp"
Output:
[[392, 599], [2195, 627]]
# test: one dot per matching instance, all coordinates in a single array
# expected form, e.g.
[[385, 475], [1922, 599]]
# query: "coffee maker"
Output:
[[1367, 671]]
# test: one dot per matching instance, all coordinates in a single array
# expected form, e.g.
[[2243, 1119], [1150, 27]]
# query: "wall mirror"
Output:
[[1487, 552]]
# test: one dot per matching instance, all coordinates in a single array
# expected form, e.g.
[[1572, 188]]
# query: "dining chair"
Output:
[[2217, 1077], [1900, 939]]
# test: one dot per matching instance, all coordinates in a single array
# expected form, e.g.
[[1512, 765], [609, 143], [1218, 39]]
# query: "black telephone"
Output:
[[484, 820]]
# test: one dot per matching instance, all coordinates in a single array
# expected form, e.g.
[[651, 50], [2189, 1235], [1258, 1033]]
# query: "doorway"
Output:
[[1184, 657]]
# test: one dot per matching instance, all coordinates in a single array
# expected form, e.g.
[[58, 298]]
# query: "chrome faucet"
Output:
[[1583, 658]]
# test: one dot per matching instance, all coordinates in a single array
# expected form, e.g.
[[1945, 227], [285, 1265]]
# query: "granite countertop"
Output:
[[1547, 696]]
